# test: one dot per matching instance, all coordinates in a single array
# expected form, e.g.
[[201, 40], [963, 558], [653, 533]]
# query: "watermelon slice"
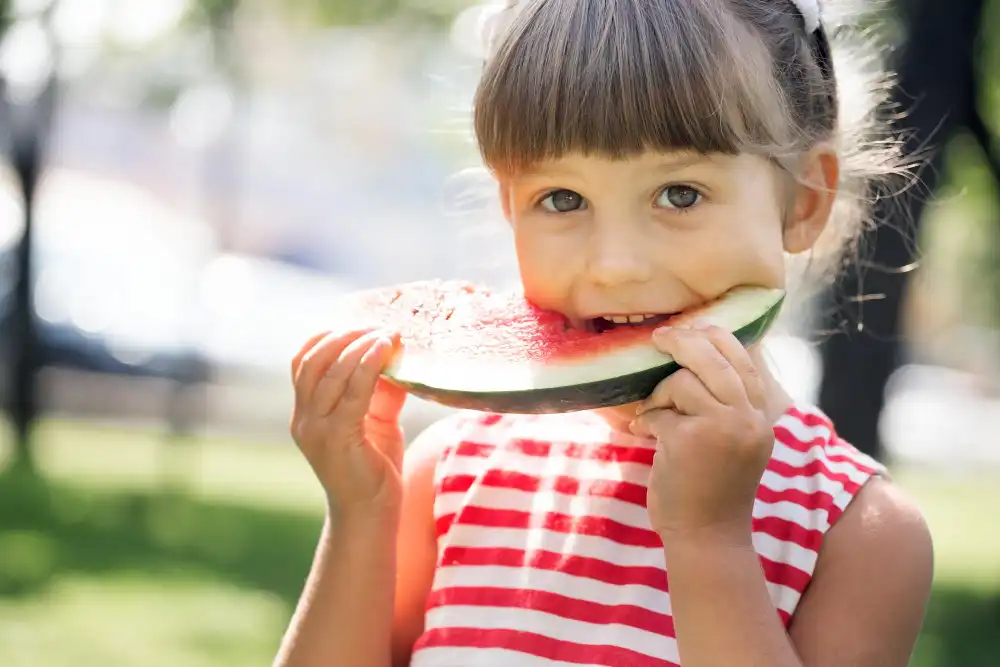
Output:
[[466, 346]]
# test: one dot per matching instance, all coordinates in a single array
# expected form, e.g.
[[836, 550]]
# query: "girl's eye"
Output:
[[563, 201], [678, 196]]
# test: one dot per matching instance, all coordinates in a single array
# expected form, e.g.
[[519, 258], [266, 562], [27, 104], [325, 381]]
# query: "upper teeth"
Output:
[[627, 319]]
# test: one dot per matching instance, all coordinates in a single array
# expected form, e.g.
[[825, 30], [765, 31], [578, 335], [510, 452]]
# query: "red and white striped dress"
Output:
[[545, 551]]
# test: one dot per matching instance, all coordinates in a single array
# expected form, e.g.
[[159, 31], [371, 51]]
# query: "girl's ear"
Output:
[[814, 196]]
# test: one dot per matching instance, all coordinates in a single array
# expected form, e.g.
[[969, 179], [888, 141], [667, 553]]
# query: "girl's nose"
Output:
[[619, 258]]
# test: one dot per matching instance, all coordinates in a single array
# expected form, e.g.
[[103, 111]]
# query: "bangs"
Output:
[[620, 77]]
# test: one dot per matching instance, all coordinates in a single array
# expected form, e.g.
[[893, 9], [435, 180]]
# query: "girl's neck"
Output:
[[778, 400]]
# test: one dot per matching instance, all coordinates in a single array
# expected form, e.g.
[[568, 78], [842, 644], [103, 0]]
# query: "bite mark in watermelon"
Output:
[[466, 346]]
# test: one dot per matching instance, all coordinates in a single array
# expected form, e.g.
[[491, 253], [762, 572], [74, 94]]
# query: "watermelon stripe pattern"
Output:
[[545, 552]]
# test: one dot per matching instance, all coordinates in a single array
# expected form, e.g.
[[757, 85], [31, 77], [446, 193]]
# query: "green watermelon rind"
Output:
[[604, 379]]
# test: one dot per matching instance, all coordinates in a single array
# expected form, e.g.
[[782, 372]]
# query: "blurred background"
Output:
[[187, 183]]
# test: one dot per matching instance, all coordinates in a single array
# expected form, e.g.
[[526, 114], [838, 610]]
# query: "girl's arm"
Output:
[[864, 606], [363, 603], [715, 437], [866, 603], [417, 543]]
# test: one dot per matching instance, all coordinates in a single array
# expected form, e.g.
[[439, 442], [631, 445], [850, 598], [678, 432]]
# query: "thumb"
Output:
[[389, 398], [656, 423], [382, 424]]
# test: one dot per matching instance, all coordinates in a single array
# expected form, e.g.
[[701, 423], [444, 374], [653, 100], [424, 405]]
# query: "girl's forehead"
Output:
[[652, 162]]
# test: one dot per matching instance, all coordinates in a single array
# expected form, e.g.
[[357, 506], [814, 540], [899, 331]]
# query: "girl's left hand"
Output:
[[713, 436]]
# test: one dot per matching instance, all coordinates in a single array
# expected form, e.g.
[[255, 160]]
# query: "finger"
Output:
[[331, 387], [316, 362], [310, 344], [657, 424], [683, 392], [361, 387], [693, 350], [661, 398], [739, 358]]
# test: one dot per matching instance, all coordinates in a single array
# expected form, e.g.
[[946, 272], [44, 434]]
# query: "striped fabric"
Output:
[[545, 551]]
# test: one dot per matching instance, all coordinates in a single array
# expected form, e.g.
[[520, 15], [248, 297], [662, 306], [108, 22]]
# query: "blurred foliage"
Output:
[[985, 261], [963, 226], [968, 216], [351, 12], [214, 13], [51, 528], [432, 13]]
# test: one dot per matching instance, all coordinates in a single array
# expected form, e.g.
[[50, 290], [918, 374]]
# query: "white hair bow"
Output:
[[810, 14]]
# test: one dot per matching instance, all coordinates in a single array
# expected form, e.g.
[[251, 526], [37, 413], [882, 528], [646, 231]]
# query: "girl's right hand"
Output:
[[346, 420]]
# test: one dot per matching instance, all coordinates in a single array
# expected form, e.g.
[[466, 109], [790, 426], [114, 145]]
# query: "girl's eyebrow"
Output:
[[543, 170], [684, 161], [679, 161], [660, 165], [538, 177]]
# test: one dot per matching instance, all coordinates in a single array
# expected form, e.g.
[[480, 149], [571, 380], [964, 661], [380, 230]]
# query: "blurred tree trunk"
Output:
[[939, 92], [222, 163], [27, 122]]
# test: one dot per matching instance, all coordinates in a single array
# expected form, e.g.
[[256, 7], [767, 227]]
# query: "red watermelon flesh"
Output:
[[474, 322], [466, 345]]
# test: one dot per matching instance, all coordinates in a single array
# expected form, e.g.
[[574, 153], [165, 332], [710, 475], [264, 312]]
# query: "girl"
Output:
[[650, 155]]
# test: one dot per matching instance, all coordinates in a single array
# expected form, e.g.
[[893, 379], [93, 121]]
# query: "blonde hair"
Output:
[[617, 77]]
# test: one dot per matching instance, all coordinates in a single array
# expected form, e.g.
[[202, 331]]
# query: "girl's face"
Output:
[[656, 234], [660, 233]]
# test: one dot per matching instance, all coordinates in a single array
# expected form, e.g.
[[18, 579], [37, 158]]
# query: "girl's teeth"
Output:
[[628, 319]]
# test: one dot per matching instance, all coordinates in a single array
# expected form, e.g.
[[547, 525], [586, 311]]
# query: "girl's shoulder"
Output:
[[812, 463]]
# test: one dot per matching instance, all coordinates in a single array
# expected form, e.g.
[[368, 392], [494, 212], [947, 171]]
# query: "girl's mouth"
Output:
[[611, 322]]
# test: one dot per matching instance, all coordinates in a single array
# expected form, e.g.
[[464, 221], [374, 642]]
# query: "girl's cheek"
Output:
[[547, 271], [740, 252], [546, 245]]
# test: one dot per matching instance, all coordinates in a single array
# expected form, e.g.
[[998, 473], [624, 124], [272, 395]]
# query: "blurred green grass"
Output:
[[142, 551]]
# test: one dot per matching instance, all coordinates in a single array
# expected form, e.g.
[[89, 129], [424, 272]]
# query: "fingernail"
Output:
[[662, 332], [701, 325]]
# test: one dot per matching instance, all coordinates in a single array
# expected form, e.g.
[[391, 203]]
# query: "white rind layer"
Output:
[[741, 307]]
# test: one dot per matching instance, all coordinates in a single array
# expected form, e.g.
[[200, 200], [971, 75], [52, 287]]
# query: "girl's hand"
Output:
[[713, 437], [346, 419]]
